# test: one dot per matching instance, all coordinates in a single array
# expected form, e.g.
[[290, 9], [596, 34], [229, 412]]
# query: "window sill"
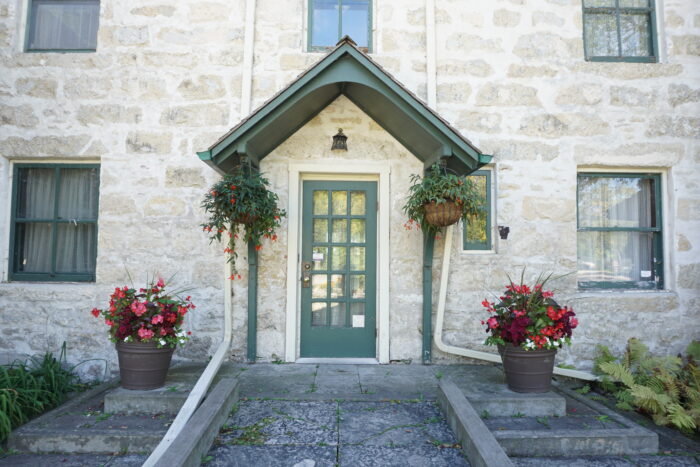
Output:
[[624, 293], [478, 252], [61, 51], [623, 59]]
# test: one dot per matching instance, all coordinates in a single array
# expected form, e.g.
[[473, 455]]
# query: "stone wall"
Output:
[[166, 81]]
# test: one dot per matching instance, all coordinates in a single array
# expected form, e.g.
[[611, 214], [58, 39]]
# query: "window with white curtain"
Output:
[[63, 25], [54, 222], [619, 231]]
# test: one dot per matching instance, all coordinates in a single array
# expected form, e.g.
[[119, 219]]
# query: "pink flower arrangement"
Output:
[[529, 318], [145, 315]]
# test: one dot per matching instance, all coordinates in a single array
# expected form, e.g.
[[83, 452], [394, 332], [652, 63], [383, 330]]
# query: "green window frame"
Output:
[[83, 32], [340, 32], [616, 13], [55, 221], [477, 231], [651, 278]]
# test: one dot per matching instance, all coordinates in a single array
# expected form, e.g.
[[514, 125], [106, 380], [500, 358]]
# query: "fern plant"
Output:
[[666, 388]]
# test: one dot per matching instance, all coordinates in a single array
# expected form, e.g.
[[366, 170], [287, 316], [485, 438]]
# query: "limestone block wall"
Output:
[[166, 81]]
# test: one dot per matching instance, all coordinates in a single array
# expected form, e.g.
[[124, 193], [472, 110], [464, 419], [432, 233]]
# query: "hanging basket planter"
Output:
[[442, 214]]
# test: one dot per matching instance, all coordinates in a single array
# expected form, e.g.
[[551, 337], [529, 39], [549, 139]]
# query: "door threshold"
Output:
[[340, 361]]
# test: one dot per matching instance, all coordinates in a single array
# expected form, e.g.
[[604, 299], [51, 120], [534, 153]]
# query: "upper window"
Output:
[[477, 229], [54, 222], [63, 25], [619, 30], [331, 20], [619, 231]]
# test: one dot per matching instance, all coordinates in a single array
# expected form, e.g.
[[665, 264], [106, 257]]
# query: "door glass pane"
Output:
[[340, 203], [319, 311], [357, 311], [357, 258], [337, 285], [600, 30], [339, 258], [324, 30], [320, 202], [357, 286], [320, 258], [77, 195], [615, 256], [356, 20], [337, 314], [357, 230], [321, 230], [357, 203], [616, 202], [635, 35], [33, 241], [36, 193], [74, 248], [318, 286], [340, 230]]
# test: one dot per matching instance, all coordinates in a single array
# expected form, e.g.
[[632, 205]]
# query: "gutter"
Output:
[[489, 357]]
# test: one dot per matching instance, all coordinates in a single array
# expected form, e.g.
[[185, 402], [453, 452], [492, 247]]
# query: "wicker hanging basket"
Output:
[[443, 214], [245, 219]]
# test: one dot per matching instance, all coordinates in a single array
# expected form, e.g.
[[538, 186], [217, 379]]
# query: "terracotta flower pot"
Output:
[[527, 370], [443, 214], [142, 365]]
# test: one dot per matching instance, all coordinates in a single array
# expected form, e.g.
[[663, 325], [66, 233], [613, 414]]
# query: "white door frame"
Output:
[[329, 169]]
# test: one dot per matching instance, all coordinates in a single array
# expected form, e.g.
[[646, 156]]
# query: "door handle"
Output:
[[306, 274]]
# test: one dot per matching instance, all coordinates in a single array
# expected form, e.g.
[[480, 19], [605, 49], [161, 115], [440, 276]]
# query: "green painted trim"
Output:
[[340, 35], [616, 11], [28, 26], [657, 237], [252, 302], [466, 245], [13, 257], [428, 249]]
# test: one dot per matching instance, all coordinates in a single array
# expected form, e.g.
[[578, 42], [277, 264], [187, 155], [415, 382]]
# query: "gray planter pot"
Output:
[[142, 365], [527, 370]]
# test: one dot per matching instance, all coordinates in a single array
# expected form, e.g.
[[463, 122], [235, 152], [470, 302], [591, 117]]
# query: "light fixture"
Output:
[[503, 231], [340, 141]]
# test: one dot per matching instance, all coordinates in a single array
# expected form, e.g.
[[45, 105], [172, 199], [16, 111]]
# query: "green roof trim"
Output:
[[349, 71]]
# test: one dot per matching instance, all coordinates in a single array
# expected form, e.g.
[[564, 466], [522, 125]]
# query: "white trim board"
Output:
[[337, 170]]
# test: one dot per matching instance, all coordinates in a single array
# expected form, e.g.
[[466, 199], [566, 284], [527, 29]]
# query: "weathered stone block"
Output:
[[50, 146], [154, 10], [560, 210], [177, 177], [208, 11], [547, 17], [679, 94], [554, 126], [673, 19], [464, 67], [633, 154], [628, 70], [506, 150], [506, 18], [108, 113], [116, 204], [529, 71], [205, 87], [4, 35], [480, 121], [689, 276], [683, 243], [625, 96], [453, 92], [138, 142], [21, 116], [684, 127], [544, 45], [123, 36], [582, 94], [686, 45], [402, 41], [164, 206], [472, 43], [85, 87], [507, 95], [36, 87], [160, 59], [689, 209], [195, 115]]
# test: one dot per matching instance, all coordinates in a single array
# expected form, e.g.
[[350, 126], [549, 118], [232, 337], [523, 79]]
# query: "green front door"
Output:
[[339, 259]]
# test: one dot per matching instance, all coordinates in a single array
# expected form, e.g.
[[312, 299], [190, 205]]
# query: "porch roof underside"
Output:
[[348, 71]]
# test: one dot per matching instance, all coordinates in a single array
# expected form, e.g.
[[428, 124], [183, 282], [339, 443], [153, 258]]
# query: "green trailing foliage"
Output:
[[665, 388], [30, 388]]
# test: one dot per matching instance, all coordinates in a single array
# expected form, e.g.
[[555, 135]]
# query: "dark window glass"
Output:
[[330, 20], [63, 25], [619, 30]]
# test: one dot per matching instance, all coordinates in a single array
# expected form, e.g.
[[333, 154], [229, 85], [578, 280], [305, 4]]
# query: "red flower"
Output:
[[161, 282], [145, 334], [157, 319], [95, 312]]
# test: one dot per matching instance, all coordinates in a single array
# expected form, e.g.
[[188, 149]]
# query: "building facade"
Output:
[[590, 111]]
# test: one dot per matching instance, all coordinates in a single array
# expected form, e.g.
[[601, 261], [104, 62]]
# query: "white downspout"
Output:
[[431, 52], [200, 388], [489, 357]]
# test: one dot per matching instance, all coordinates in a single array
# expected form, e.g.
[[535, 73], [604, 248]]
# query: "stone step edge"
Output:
[[506, 405], [92, 442], [478, 443], [195, 440]]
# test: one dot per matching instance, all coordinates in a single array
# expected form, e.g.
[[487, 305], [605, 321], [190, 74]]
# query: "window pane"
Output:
[[616, 202], [337, 314], [357, 286], [320, 258], [340, 230], [78, 194], [357, 258], [339, 258], [636, 34], [357, 230], [600, 31], [64, 25], [598, 3], [357, 203], [476, 228], [37, 189], [319, 311], [634, 3], [337, 285], [615, 256], [321, 230], [75, 245], [356, 20], [33, 244], [320, 202], [357, 310], [340, 203], [318, 286], [324, 23]]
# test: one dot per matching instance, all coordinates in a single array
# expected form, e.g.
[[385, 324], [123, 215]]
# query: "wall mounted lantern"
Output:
[[340, 141], [503, 231]]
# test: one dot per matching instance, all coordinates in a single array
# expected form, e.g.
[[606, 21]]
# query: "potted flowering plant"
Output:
[[439, 199], [528, 327], [145, 326], [241, 202]]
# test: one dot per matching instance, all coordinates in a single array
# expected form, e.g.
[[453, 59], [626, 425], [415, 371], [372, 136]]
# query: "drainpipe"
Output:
[[431, 53], [248, 43], [428, 248], [200, 388], [489, 357], [252, 301]]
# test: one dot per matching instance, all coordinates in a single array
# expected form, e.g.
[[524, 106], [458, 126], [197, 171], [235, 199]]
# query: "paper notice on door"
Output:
[[358, 321], [646, 273], [318, 256]]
